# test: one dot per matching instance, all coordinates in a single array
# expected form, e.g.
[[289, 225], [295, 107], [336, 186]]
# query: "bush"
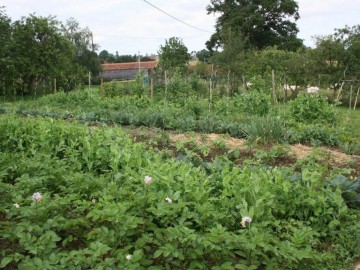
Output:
[[250, 103], [123, 88], [316, 134], [310, 108]]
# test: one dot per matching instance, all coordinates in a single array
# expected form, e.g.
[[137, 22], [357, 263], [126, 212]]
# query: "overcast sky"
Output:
[[132, 26]]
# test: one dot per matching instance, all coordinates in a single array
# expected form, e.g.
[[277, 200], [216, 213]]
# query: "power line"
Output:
[[176, 18], [144, 38]]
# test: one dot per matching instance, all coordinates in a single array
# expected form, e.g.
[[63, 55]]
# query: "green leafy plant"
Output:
[[312, 109], [78, 197]]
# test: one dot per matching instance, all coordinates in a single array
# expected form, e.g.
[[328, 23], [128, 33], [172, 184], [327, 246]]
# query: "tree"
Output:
[[173, 54], [329, 57], [350, 37], [40, 51], [82, 39], [7, 69], [262, 22], [203, 55]]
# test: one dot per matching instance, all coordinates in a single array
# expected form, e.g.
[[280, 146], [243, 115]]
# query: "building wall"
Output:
[[126, 74]]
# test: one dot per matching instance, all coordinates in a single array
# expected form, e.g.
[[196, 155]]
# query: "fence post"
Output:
[[102, 87], [356, 98], [351, 93], [14, 91], [54, 85], [165, 83], [340, 90], [89, 79], [210, 99], [152, 88], [273, 87]]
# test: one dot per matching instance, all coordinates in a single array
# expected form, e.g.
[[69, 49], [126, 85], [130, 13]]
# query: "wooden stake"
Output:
[[210, 99], [351, 93], [152, 87], [273, 87], [340, 90], [356, 98], [102, 87], [165, 83], [55, 86]]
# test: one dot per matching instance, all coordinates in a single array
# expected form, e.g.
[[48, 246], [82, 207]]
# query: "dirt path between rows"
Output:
[[300, 151]]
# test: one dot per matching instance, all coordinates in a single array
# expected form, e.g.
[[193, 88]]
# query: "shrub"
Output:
[[124, 88], [255, 103], [312, 109], [315, 134], [177, 89]]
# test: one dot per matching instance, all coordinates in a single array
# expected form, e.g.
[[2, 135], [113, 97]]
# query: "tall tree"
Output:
[[262, 22], [7, 69], [174, 54], [82, 39], [203, 55], [40, 50], [350, 37], [329, 56]]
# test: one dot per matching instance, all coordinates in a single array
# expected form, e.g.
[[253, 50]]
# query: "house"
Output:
[[126, 71]]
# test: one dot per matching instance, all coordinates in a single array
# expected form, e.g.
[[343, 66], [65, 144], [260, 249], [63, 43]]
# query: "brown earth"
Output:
[[221, 144]]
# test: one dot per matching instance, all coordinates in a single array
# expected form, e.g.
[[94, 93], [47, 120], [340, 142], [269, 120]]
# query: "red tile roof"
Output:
[[130, 65]]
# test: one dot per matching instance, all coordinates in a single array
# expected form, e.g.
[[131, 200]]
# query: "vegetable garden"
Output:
[[94, 181]]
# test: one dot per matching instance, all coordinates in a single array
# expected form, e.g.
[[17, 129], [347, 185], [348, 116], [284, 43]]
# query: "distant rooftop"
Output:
[[129, 65]]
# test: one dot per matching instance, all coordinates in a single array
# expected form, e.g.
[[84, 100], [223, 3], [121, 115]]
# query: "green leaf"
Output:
[[5, 261], [158, 253]]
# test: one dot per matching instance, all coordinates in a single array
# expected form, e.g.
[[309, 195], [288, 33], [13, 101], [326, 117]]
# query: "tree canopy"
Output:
[[106, 57], [262, 22], [174, 54], [36, 49]]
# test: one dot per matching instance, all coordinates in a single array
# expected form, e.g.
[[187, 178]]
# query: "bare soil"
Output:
[[220, 144]]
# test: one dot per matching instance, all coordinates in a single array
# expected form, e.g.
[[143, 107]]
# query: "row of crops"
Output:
[[75, 196], [311, 119]]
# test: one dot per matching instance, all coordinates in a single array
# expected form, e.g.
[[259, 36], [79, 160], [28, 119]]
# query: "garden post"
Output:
[[356, 98], [351, 93], [273, 87], [102, 87], [55, 86], [152, 87]]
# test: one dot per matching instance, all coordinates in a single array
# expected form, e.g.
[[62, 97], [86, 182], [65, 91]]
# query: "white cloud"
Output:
[[322, 17], [129, 26]]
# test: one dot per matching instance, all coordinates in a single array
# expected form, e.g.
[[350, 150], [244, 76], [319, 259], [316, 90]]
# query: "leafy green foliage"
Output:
[[123, 88], [97, 211], [250, 103], [173, 54], [316, 134], [312, 109], [350, 189], [36, 50], [263, 22]]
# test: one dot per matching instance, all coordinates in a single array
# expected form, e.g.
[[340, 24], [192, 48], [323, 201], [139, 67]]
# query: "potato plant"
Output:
[[74, 197]]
